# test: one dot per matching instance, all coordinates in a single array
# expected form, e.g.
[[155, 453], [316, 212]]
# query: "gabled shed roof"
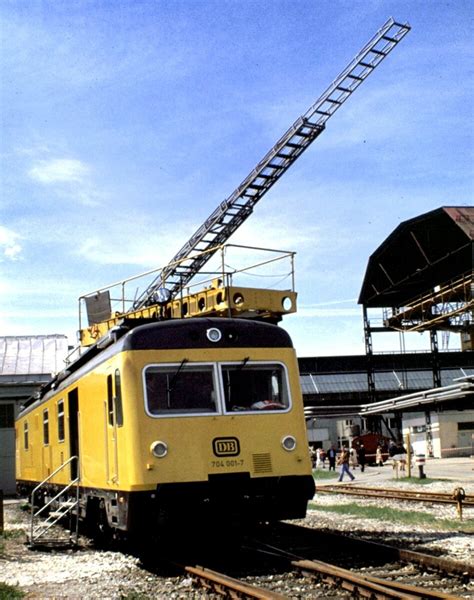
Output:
[[421, 253]]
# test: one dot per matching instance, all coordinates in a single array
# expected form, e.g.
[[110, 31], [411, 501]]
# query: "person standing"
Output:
[[323, 457], [318, 458], [332, 458], [343, 462], [361, 457], [379, 456]]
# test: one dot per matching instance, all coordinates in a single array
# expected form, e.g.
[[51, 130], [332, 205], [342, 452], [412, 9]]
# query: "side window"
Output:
[[110, 400], [118, 399], [60, 408], [46, 427], [25, 436], [114, 403]]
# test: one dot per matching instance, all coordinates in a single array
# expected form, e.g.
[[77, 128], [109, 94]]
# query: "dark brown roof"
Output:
[[421, 253]]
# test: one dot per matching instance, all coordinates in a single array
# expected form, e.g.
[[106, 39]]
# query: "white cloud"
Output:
[[59, 170], [9, 244], [324, 313]]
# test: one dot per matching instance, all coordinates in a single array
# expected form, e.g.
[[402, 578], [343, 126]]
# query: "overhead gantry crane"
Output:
[[164, 295]]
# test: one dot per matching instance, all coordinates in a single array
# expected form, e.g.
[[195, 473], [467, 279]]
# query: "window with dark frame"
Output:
[[110, 400], [118, 399], [60, 408], [26, 435], [46, 427]]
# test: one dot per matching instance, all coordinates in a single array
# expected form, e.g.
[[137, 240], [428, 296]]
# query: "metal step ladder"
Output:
[[233, 211], [65, 503]]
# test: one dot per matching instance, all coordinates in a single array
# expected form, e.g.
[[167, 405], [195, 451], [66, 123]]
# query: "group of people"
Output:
[[341, 459], [398, 454], [319, 457], [348, 458]]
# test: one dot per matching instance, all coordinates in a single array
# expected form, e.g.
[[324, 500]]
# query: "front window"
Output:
[[195, 388], [255, 387], [180, 388]]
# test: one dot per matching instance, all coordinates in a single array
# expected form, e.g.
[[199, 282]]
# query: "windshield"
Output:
[[254, 387], [194, 388], [180, 388]]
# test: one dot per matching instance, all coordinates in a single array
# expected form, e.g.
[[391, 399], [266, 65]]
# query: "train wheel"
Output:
[[97, 523]]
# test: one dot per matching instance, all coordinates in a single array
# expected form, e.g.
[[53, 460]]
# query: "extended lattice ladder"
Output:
[[233, 211]]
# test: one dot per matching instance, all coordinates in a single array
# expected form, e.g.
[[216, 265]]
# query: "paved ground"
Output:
[[456, 469]]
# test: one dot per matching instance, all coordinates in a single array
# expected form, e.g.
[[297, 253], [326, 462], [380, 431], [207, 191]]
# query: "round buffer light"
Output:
[[289, 443], [214, 335], [159, 449]]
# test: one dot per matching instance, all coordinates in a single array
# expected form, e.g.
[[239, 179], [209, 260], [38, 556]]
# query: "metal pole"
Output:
[[409, 456]]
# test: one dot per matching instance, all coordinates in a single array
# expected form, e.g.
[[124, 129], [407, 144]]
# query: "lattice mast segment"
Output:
[[233, 211]]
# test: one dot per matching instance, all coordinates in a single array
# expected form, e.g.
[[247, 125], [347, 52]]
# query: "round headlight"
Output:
[[214, 334], [162, 295], [287, 303], [159, 449], [288, 443]]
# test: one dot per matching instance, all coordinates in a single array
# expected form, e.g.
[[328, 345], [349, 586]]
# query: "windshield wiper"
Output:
[[175, 376], [243, 363]]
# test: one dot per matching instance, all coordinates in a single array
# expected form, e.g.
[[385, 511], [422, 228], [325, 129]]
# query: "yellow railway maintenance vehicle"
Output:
[[201, 413], [179, 399]]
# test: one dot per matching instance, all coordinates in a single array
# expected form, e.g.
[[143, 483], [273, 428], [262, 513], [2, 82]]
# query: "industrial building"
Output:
[[26, 362], [419, 279]]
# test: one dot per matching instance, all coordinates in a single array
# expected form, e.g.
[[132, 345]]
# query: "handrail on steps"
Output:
[[60, 493]]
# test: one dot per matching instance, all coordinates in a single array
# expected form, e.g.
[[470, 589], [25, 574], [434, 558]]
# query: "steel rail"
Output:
[[230, 587], [340, 540], [363, 585], [438, 563], [434, 497]]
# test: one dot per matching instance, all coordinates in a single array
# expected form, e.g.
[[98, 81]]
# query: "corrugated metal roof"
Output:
[[32, 354], [317, 383]]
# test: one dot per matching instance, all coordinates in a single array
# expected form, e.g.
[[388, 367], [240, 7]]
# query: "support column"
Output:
[[369, 355]]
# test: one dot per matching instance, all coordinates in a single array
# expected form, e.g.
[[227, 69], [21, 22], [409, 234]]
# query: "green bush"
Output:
[[10, 592]]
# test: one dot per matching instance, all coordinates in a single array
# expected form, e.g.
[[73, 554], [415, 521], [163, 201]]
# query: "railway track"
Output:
[[284, 562], [368, 586], [432, 497], [385, 586], [372, 565]]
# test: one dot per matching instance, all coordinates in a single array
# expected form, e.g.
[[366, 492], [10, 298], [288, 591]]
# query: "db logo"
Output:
[[226, 446]]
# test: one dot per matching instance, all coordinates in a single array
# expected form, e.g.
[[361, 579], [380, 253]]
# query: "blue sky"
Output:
[[125, 123]]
